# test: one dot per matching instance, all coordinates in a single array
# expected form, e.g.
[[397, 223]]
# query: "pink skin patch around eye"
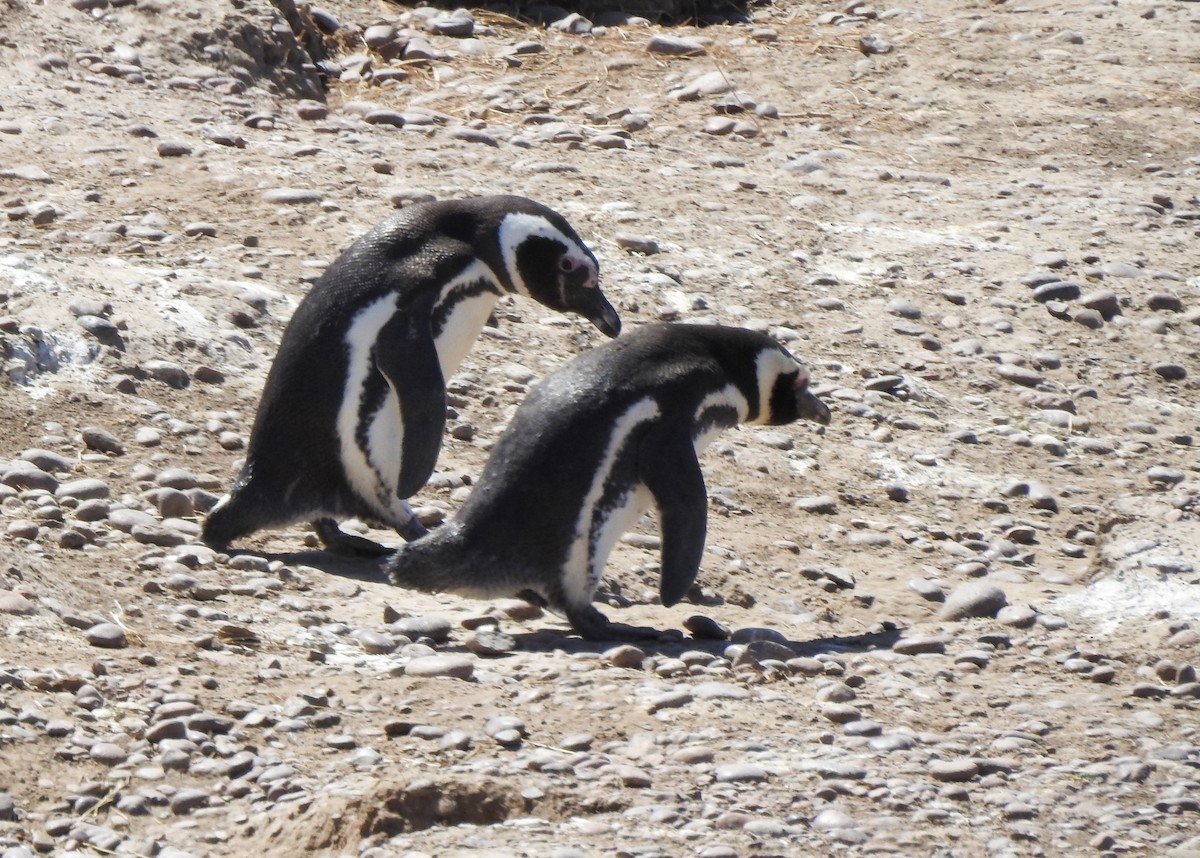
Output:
[[570, 264]]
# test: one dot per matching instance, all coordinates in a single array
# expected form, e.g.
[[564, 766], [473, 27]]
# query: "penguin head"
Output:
[[783, 386], [546, 261]]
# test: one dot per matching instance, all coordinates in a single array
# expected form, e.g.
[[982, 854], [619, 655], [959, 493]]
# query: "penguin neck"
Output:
[[460, 312], [719, 410]]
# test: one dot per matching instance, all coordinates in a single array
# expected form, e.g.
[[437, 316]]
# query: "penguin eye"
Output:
[[567, 264]]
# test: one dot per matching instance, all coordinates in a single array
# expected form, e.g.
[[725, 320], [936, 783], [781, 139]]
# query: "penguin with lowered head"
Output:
[[352, 414], [598, 442]]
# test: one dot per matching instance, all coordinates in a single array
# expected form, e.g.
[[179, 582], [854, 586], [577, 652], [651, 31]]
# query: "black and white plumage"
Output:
[[594, 445], [351, 418]]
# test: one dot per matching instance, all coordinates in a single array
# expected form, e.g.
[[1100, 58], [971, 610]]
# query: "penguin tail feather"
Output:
[[415, 567], [230, 519]]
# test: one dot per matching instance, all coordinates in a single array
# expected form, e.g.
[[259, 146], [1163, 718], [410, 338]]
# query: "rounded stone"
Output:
[[83, 489], [632, 776], [740, 773], [173, 148], [109, 753], [458, 667], [177, 478], [374, 642], [920, 644], [16, 605], [173, 503], [26, 478], [187, 799], [503, 725], [953, 771], [626, 655], [490, 642], [821, 504], [840, 713], [1165, 476], [973, 599], [106, 636], [292, 196], [437, 629], [1017, 616], [1170, 371]]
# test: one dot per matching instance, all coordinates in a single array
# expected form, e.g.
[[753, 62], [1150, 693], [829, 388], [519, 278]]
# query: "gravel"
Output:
[[962, 618]]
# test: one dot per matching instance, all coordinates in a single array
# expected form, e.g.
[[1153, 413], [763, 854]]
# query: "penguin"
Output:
[[598, 442], [352, 413]]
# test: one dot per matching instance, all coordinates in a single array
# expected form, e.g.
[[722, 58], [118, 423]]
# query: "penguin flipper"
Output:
[[671, 472], [407, 357]]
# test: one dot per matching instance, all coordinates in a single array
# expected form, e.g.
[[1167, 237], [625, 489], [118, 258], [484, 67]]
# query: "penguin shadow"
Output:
[[357, 567], [673, 642], [669, 641]]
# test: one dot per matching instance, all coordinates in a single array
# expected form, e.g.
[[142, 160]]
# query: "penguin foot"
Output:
[[412, 530], [594, 626], [339, 542]]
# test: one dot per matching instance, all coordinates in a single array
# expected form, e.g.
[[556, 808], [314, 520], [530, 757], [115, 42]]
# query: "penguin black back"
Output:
[[599, 441]]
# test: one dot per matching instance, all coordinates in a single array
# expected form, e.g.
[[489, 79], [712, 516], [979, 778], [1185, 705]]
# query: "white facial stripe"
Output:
[[469, 315], [517, 227], [370, 473], [585, 561], [771, 364], [729, 397]]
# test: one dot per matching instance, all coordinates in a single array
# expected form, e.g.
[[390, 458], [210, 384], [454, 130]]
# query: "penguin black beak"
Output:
[[809, 407], [602, 315]]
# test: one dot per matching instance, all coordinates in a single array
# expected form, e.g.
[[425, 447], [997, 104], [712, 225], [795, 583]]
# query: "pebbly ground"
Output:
[[964, 619]]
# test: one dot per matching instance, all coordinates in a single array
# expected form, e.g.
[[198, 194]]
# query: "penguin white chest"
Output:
[[610, 506], [370, 440], [461, 312], [370, 424], [608, 525]]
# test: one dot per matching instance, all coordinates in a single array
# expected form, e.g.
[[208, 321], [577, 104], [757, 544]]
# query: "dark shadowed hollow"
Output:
[[611, 11]]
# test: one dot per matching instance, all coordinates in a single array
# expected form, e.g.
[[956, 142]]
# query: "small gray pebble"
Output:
[[973, 599], [489, 642], [626, 655], [100, 440], [173, 148], [822, 504], [436, 629], [953, 771], [292, 196], [919, 644], [674, 46], [1062, 290], [458, 667], [187, 799], [374, 642], [740, 773], [637, 243], [1170, 371], [106, 635]]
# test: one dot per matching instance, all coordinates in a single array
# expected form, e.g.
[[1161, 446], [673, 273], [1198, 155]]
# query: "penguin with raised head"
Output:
[[351, 418], [594, 445]]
